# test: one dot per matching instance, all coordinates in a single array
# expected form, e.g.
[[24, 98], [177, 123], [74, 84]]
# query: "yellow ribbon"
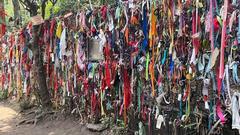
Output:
[[59, 30]]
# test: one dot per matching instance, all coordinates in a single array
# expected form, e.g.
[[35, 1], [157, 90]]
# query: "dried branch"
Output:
[[24, 5], [30, 5]]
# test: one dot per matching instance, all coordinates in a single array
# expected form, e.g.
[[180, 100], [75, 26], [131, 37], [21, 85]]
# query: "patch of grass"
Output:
[[3, 94]]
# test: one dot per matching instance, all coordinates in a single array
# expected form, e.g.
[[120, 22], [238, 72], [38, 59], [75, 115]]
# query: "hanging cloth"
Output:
[[219, 112], [63, 44], [235, 106], [206, 83], [151, 71], [238, 33], [210, 15], [196, 38], [147, 66], [170, 15], [107, 74], [235, 69], [80, 53], [59, 30], [104, 12], [139, 93], [223, 39], [127, 93], [152, 31], [93, 103], [53, 22], [145, 29], [103, 40], [82, 21]]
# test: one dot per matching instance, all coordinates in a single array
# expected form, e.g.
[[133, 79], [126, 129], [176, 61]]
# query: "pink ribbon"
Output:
[[219, 112], [195, 24], [223, 39], [211, 23]]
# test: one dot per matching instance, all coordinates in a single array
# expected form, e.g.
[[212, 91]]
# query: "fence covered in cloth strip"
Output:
[[154, 66]]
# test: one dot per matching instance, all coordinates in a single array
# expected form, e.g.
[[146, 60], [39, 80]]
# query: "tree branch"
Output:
[[43, 5], [53, 2], [30, 6], [24, 5]]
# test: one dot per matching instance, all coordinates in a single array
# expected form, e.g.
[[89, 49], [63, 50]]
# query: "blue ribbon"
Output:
[[234, 2], [171, 65], [145, 30], [217, 10], [58, 48], [164, 57], [235, 74], [113, 39]]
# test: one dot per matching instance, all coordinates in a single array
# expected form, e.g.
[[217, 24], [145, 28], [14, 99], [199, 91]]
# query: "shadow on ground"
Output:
[[9, 119]]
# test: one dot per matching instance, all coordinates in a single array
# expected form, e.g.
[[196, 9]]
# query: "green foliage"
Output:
[[3, 94], [58, 9], [9, 8], [48, 10], [67, 5], [74, 5]]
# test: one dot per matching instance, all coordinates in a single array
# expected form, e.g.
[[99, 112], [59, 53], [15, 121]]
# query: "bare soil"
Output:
[[10, 118]]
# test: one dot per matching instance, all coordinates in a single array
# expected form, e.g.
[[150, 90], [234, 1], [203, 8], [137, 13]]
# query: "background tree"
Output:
[[16, 11], [39, 70]]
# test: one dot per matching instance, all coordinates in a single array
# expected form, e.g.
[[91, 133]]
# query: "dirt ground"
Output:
[[10, 117]]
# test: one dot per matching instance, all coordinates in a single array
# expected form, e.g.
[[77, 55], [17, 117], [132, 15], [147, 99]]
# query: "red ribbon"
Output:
[[219, 82], [107, 74], [216, 24], [196, 41], [3, 80], [104, 12], [86, 86], [11, 54], [127, 93], [4, 29], [127, 87], [93, 102], [53, 22]]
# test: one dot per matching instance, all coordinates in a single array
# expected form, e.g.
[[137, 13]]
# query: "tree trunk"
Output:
[[16, 10], [42, 89], [2, 18]]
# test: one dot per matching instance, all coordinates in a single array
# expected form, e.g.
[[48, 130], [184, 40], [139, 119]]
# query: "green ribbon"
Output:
[[94, 65], [147, 65]]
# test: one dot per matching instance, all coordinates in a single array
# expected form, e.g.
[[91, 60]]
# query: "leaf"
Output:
[[48, 9]]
